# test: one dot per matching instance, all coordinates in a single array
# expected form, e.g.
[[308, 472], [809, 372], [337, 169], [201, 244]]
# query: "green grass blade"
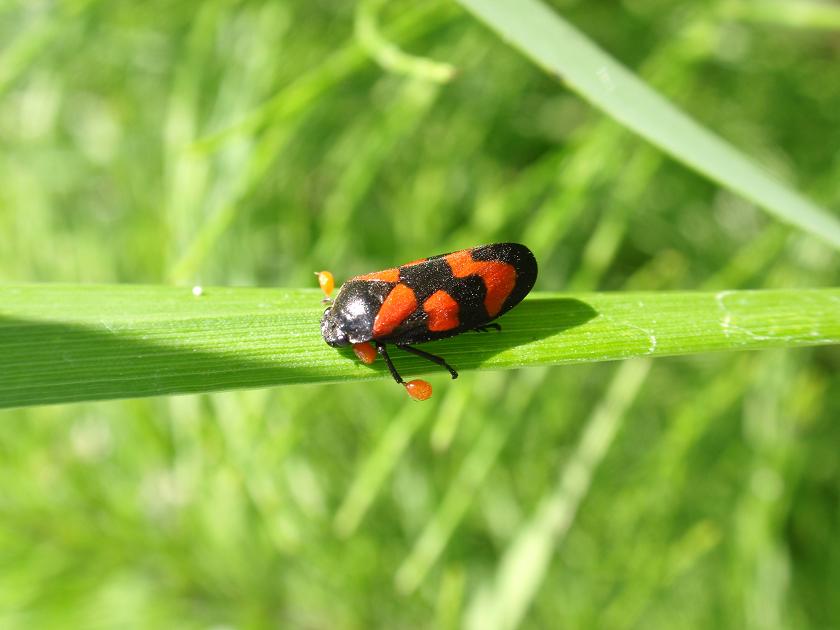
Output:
[[525, 563], [799, 14], [65, 343], [562, 50], [296, 97], [389, 55]]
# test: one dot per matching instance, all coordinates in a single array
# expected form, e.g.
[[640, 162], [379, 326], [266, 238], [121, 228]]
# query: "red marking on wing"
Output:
[[442, 310], [499, 278], [400, 303], [388, 275]]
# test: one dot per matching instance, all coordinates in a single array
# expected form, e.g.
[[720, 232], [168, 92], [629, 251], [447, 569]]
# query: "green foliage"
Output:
[[250, 143], [563, 51]]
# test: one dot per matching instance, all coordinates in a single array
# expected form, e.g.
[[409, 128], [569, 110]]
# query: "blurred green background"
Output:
[[705, 491]]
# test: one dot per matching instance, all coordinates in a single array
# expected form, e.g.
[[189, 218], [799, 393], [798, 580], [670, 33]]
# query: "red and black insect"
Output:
[[428, 299]]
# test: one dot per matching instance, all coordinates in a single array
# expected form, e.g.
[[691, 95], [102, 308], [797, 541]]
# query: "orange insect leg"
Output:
[[418, 389], [326, 282], [365, 352]]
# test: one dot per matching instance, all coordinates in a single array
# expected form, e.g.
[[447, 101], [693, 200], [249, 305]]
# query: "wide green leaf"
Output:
[[65, 343]]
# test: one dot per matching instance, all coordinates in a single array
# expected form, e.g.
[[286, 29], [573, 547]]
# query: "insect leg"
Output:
[[430, 357], [380, 348], [487, 327]]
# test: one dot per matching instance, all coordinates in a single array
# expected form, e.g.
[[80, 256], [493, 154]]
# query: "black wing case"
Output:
[[459, 275]]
